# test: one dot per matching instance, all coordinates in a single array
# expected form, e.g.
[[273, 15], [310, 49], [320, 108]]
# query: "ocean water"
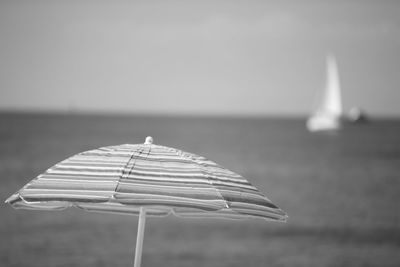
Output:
[[341, 191]]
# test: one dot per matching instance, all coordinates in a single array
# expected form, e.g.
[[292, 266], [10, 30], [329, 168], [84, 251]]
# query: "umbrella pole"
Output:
[[139, 238]]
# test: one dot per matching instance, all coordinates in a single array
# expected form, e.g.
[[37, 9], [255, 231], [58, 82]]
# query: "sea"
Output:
[[341, 191]]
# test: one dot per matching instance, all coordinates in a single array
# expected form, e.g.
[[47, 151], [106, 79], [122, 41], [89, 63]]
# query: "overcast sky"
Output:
[[197, 57]]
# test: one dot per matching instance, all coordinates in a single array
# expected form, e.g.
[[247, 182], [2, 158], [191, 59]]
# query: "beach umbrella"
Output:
[[145, 180]]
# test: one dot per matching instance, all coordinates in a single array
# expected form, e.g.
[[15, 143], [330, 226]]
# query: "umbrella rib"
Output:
[[205, 172], [132, 159], [134, 163], [203, 169], [123, 173]]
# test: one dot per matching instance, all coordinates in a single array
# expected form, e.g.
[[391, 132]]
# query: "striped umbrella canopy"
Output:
[[145, 179]]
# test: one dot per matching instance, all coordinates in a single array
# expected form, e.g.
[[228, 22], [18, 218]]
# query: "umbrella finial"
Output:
[[149, 140]]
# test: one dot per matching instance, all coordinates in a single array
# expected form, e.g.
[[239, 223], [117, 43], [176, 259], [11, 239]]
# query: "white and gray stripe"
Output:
[[165, 180]]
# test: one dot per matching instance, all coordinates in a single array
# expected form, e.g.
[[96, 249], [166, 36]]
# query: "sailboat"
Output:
[[329, 112]]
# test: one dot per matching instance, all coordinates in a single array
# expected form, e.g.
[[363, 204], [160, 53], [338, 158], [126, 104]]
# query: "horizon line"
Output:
[[125, 113]]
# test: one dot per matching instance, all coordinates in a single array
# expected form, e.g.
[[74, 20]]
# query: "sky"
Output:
[[197, 57]]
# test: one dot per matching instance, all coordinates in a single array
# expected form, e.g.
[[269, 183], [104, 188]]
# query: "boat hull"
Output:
[[324, 123]]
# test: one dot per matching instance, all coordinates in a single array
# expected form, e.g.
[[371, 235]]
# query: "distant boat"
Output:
[[357, 115], [329, 111]]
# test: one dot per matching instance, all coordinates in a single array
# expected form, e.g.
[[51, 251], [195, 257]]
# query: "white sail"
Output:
[[329, 110]]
